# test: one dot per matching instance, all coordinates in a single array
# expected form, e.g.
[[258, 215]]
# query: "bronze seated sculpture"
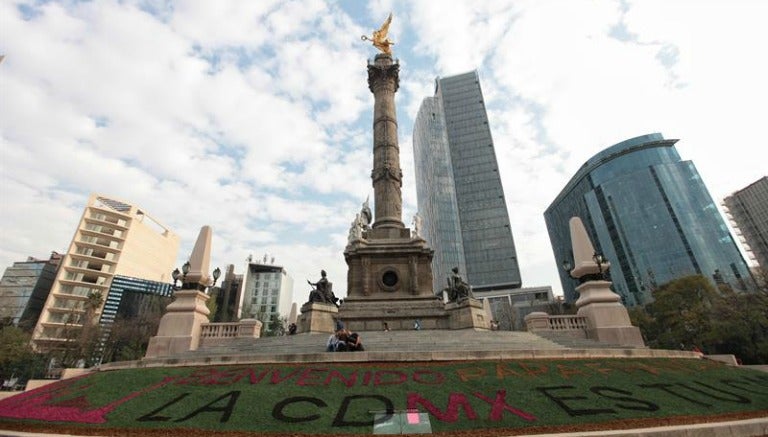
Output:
[[457, 289], [322, 291]]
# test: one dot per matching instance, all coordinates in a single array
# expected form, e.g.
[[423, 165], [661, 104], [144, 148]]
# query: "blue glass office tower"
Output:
[[650, 215], [131, 299], [460, 197]]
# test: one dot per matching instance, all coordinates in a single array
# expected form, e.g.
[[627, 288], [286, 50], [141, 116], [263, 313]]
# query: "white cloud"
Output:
[[195, 121], [459, 35], [564, 80], [254, 117], [223, 23]]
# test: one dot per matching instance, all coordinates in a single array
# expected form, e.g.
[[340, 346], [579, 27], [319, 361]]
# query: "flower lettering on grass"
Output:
[[42, 403], [330, 398]]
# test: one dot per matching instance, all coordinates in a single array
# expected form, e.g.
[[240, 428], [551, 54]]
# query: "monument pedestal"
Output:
[[180, 327], [468, 314], [399, 314], [607, 319], [395, 267], [390, 280], [317, 317]]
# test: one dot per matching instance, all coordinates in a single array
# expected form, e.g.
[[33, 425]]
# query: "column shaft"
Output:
[[383, 81]]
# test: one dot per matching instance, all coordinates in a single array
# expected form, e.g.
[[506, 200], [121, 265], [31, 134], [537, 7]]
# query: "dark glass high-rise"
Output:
[[459, 191]]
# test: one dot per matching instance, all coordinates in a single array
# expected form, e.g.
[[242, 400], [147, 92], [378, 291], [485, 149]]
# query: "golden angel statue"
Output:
[[379, 37]]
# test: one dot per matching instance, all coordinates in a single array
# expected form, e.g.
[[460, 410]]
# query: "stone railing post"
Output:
[[250, 328], [537, 321]]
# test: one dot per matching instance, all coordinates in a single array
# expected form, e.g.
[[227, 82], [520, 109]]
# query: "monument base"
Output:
[[621, 335], [370, 314], [389, 264], [180, 327], [167, 346], [317, 317], [607, 319], [468, 314], [390, 281]]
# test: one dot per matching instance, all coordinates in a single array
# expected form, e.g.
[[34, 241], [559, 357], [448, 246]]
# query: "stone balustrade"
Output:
[[539, 321], [219, 330], [567, 323], [222, 333]]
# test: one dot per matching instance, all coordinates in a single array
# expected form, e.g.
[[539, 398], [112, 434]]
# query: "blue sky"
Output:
[[254, 117]]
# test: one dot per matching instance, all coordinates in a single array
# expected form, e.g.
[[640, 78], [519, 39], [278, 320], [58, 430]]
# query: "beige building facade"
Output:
[[112, 238], [747, 210]]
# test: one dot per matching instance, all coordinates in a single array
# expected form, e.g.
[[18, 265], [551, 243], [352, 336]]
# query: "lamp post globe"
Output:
[[567, 265], [175, 275]]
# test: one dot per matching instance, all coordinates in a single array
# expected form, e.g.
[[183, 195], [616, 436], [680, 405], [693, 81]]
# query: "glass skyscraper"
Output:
[[133, 301], [24, 288], [460, 197], [650, 215]]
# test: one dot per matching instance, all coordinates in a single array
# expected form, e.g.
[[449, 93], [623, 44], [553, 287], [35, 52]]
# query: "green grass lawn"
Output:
[[345, 398]]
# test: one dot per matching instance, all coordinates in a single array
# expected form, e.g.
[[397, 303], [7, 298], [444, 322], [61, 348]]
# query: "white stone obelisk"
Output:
[[180, 327], [607, 319]]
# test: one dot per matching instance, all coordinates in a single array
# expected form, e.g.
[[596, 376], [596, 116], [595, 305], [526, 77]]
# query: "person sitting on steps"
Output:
[[354, 342], [344, 341]]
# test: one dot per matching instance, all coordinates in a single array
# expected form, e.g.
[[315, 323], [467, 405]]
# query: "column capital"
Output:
[[382, 71]]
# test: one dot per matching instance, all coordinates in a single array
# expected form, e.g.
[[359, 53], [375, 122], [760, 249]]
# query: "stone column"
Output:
[[383, 81]]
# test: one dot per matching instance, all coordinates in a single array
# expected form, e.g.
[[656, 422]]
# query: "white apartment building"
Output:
[[112, 238], [267, 292]]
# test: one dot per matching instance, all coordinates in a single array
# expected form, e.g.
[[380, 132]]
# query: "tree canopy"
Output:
[[690, 312], [17, 359]]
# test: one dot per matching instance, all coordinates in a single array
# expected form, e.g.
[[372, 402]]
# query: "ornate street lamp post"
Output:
[[175, 275], [598, 258], [567, 267], [216, 274], [185, 270]]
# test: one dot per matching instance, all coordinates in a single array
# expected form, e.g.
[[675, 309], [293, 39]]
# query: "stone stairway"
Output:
[[402, 346], [571, 342], [391, 341]]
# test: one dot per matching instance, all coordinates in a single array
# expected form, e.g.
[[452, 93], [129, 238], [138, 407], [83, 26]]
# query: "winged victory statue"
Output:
[[379, 38]]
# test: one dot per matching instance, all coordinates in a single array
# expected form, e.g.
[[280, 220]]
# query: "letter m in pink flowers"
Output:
[[451, 413], [499, 405]]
